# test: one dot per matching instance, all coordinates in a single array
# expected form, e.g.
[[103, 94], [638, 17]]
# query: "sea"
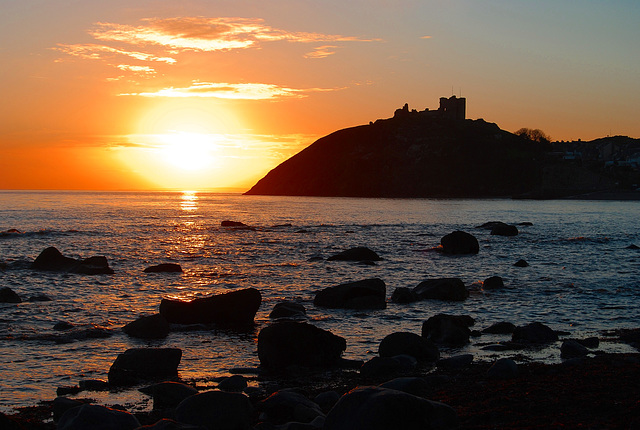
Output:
[[583, 277]]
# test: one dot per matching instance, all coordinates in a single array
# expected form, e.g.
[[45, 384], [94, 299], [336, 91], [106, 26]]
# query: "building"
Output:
[[453, 107]]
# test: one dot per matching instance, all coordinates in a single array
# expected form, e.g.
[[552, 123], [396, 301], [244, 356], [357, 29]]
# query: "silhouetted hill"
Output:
[[413, 154]]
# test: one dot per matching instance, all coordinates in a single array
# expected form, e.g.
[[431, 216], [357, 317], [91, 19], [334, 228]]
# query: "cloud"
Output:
[[321, 52], [248, 91], [207, 34], [101, 52]]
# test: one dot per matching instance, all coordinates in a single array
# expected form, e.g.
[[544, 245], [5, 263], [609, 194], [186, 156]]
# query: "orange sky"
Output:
[[213, 94]]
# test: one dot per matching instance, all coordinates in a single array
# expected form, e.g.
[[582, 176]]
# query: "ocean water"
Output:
[[582, 277]]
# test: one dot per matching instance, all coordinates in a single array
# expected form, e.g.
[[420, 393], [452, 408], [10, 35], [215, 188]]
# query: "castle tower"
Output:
[[453, 107]]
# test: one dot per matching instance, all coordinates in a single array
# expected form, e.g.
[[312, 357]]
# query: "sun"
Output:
[[187, 150]]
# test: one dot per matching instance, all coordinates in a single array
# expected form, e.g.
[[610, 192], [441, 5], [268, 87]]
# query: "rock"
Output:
[[62, 325], [633, 246], [143, 364], [493, 283], [61, 405], [168, 424], [52, 260], [286, 406], [234, 384], [590, 342], [503, 327], [521, 263], [97, 417], [228, 223], [525, 223], [289, 343], [448, 329], [456, 362], [504, 368], [502, 229], [148, 327], [66, 390], [534, 333], [288, 309], [41, 297], [9, 423], [403, 295], [7, 295], [364, 294], [326, 400], [379, 367], [451, 289], [168, 394], [164, 268], [572, 349], [405, 343], [409, 384], [376, 408], [93, 385], [356, 254], [459, 242], [234, 308], [216, 410]]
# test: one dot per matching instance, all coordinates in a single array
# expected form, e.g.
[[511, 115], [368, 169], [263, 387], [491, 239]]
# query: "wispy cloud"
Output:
[[100, 52], [208, 34], [248, 91], [321, 51]]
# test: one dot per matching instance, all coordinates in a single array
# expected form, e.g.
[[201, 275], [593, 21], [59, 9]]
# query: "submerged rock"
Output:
[[442, 289], [503, 327], [148, 327], [493, 283], [404, 295], [534, 333], [364, 294], [502, 229], [52, 260], [459, 242], [7, 295], [288, 309], [360, 253], [521, 263], [234, 308], [290, 343], [144, 364], [164, 268]]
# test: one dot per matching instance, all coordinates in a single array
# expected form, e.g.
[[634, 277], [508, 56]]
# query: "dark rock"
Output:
[[326, 400], [504, 368], [287, 309], [403, 295], [164, 268], [143, 364], [448, 329], [148, 327], [9, 423], [234, 308], [490, 225], [493, 283], [288, 343], [572, 349], [168, 394], [52, 260], [376, 408], [521, 263], [61, 405], [7, 295], [288, 405], [451, 289], [525, 223], [590, 342], [459, 242], [93, 385], [66, 390], [228, 223], [401, 343], [456, 362], [216, 410], [40, 298], [234, 383], [502, 229], [97, 417], [364, 294], [169, 424], [62, 325], [503, 327], [633, 246], [379, 367], [534, 333], [410, 385], [360, 253]]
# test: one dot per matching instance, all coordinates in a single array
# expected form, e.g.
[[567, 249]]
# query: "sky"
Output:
[[211, 95]]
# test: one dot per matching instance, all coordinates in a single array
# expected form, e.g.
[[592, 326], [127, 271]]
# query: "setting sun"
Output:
[[188, 151]]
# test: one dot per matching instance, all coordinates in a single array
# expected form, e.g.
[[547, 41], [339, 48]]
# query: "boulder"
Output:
[[61, 405], [234, 384], [459, 242], [216, 410], [504, 368], [450, 289], [288, 309], [502, 229], [376, 408], [143, 364], [360, 253], [52, 260], [288, 406], [572, 349], [228, 223], [409, 384], [521, 263], [326, 400], [168, 394], [290, 343], [164, 268], [40, 297], [97, 417], [403, 295], [364, 294], [450, 330], [405, 343], [493, 283], [534, 333], [234, 308], [382, 367], [148, 327], [456, 362], [503, 327], [7, 295]]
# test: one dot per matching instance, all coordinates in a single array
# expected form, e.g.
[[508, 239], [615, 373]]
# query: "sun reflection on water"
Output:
[[189, 201]]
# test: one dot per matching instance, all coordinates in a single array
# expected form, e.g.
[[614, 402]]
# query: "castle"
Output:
[[450, 108]]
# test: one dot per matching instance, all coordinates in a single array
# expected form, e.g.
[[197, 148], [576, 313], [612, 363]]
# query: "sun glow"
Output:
[[188, 151]]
